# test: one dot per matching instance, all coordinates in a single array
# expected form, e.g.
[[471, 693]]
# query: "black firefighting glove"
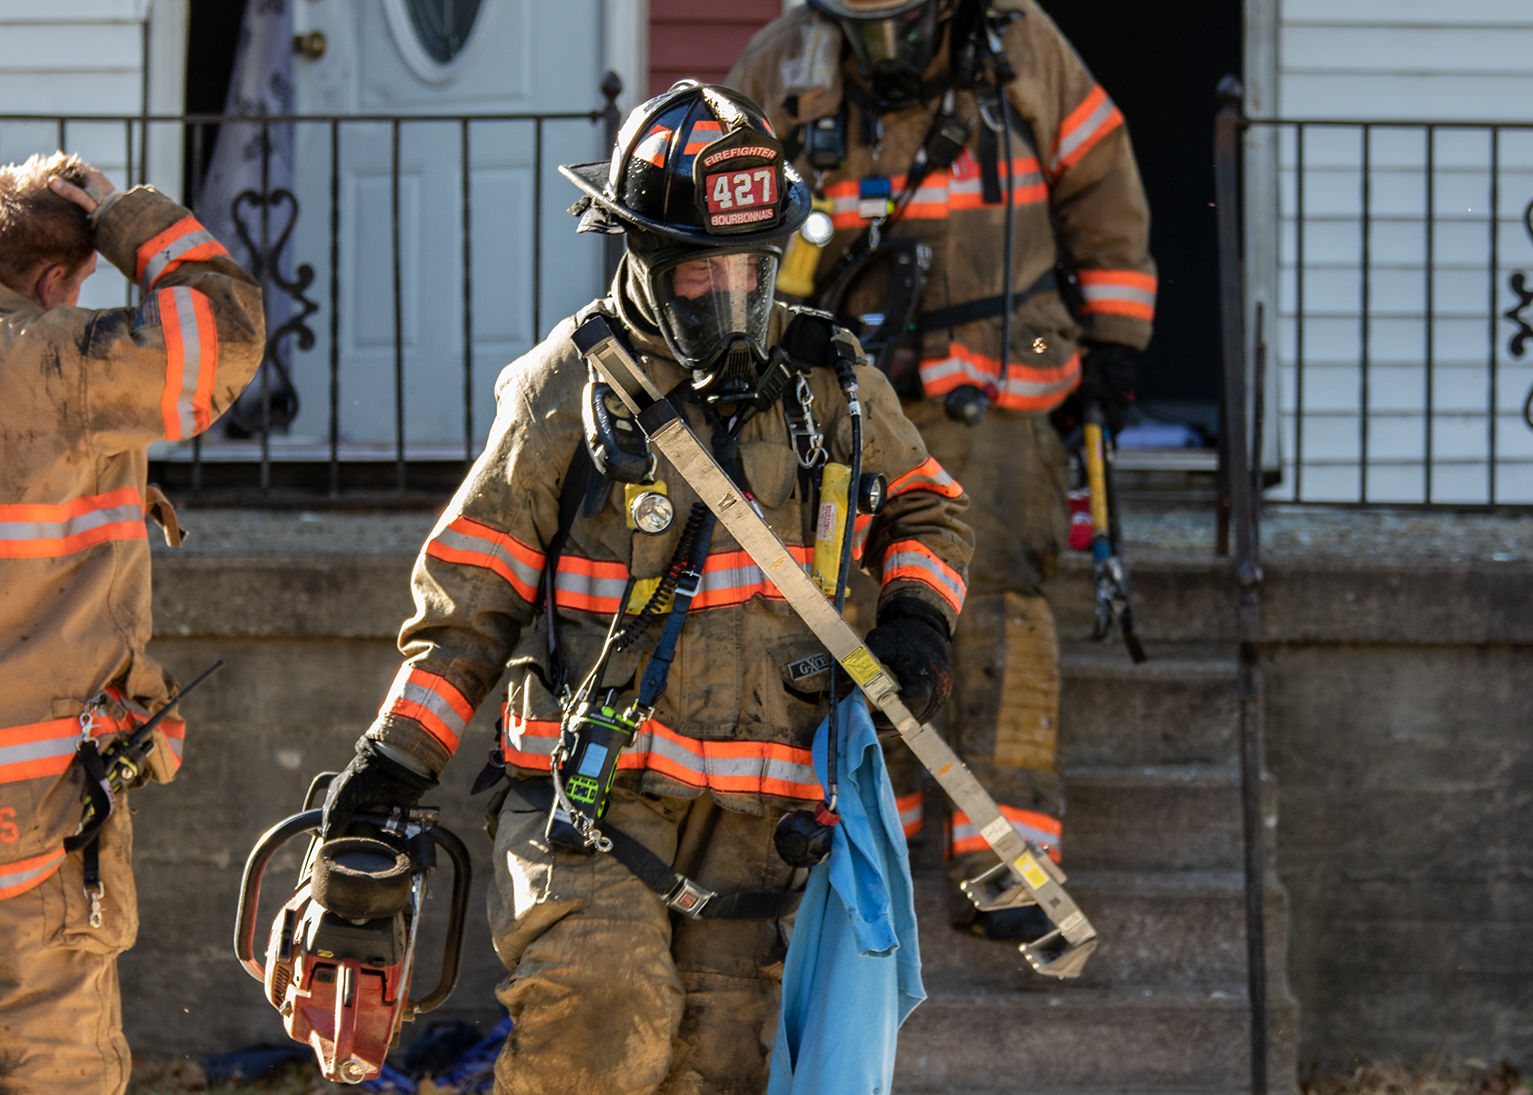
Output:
[[371, 783], [1109, 371], [911, 639]]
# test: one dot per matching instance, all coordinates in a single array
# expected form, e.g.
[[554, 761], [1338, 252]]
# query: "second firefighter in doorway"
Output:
[[981, 223]]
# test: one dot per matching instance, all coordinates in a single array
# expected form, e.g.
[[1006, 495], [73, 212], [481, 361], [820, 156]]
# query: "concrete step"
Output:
[[1183, 929], [1156, 818], [1178, 707], [1080, 1040]]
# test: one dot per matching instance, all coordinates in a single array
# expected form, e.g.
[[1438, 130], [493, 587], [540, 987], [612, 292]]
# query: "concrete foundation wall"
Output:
[[1405, 789], [1397, 731]]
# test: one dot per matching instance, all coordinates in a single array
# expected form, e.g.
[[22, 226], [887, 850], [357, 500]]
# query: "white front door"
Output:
[[403, 317]]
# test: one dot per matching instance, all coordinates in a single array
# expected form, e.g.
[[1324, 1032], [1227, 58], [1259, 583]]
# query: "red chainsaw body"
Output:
[[341, 987]]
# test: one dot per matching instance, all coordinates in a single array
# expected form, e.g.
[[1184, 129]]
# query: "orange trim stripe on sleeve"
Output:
[[927, 475], [432, 702], [1083, 128], [1118, 292], [912, 560]]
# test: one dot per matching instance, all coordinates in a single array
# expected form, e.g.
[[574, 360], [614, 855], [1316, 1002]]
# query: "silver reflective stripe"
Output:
[[1042, 837], [933, 371], [914, 559], [70, 526], [412, 691], [46, 749], [171, 252], [11, 880], [1082, 132], [1118, 292], [1019, 180], [191, 358], [571, 584], [691, 756], [484, 545]]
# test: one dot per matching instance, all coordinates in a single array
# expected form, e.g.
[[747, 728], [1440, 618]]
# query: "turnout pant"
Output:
[[611, 992], [60, 1010], [1003, 717]]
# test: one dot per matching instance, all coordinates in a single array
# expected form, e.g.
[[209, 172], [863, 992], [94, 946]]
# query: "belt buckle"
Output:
[[688, 898]]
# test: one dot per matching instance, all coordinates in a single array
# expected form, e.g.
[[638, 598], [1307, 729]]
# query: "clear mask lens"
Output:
[[706, 304], [904, 43]]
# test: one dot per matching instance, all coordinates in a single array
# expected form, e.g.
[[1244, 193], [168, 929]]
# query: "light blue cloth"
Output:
[[853, 971]]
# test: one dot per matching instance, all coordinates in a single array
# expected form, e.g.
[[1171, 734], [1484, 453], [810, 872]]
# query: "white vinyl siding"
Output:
[[87, 58], [1397, 61]]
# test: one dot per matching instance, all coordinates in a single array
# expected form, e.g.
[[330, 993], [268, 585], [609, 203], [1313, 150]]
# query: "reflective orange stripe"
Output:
[[1118, 292], [185, 241], [913, 561], [1083, 128], [1038, 827], [35, 530], [758, 767], [941, 192], [927, 475], [652, 148], [701, 136], [21, 876], [1024, 387], [473, 543], [191, 352], [432, 702], [912, 808]]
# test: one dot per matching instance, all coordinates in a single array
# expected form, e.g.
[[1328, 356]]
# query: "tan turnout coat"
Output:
[[1075, 188], [83, 392], [744, 692]]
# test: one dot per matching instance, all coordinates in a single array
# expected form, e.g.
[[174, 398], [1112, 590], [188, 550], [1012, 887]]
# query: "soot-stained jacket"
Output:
[[83, 392], [1076, 191], [746, 686]]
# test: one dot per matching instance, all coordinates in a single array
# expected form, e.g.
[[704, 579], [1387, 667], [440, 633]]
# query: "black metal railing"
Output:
[[404, 259], [1399, 309]]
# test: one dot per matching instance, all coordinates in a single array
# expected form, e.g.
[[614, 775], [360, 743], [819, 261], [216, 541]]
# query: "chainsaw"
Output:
[[341, 951]]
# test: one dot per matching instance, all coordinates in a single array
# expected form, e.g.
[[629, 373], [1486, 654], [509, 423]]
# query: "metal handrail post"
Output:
[[1240, 477]]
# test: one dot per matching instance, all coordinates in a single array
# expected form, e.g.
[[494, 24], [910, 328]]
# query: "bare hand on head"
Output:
[[97, 187]]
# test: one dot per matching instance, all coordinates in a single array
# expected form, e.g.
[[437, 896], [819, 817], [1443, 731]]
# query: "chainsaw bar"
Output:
[[1025, 871]]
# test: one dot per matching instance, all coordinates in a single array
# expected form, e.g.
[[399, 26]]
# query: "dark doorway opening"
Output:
[[213, 31], [1161, 63]]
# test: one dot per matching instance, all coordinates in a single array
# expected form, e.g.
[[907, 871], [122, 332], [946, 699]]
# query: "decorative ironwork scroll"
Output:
[[1524, 332], [276, 390]]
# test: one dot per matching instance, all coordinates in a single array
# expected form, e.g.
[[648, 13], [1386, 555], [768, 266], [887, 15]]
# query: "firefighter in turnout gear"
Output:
[[981, 225], [642, 641], [83, 393]]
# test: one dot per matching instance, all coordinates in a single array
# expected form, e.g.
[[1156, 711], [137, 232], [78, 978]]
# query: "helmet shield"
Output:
[[713, 308]]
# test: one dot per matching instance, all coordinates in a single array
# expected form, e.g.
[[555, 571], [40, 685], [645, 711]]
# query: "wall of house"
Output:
[[1450, 194]]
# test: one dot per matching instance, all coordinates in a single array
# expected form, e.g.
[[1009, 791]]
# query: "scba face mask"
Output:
[[714, 308], [894, 52]]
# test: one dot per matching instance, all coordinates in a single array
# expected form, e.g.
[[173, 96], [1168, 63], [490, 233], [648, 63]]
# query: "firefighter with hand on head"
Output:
[[981, 225], [642, 640], [83, 393]]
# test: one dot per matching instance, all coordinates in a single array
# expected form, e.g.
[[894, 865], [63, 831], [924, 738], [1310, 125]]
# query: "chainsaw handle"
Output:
[[250, 885], [452, 950]]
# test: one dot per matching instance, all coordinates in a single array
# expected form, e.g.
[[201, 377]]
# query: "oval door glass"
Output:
[[443, 26]]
